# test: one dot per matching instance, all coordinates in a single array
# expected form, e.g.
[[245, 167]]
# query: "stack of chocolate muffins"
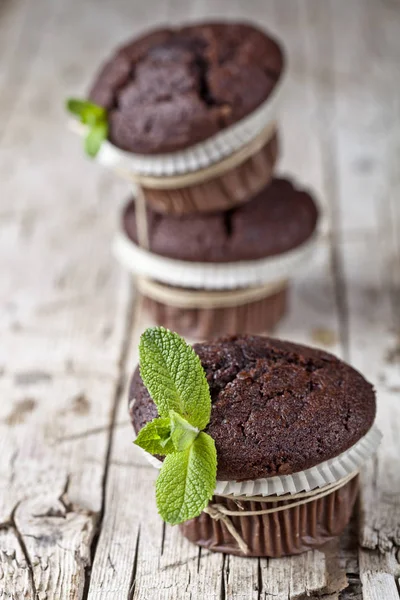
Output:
[[213, 239], [211, 235]]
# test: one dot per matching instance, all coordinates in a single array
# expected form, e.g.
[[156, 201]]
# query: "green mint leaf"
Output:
[[89, 113], [183, 433], [186, 482], [155, 437], [95, 137], [95, 117], [174, 376], [76, 106]]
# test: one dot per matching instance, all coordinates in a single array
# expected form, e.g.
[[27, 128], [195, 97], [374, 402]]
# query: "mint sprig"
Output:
[[95, 117], [174, 377], [176, 381]]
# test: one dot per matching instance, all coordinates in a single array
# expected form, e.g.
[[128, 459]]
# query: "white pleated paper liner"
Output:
[[327, 472], [212, 276], [199, 156]]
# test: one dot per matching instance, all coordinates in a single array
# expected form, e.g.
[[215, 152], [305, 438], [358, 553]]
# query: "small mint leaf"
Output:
[[174, 376], [76, 106], [94, 115], [155, 437], [95, 137], [89, 113], [187, 480], [183, 433]]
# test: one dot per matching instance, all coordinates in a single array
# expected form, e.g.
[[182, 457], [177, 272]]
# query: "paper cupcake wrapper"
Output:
[[327, 472], [212, 276], [200, 155], [201, 323]]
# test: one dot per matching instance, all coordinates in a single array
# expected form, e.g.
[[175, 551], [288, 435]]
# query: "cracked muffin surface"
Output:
[[276, 220], [277, 407], [173, 88]]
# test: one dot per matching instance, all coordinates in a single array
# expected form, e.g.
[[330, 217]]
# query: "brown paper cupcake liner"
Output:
[[238, 316], [222, 192], [296, 529]]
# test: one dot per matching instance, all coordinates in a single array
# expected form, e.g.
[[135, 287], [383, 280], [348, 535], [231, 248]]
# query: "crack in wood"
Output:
[[131, 465], [259, 579], [339, 281], [110, 562], [224, 577], [63, 498], [188, 584], [353, 590], [67, 507], [24, 551], [132, 583], [198, 559], [94, 431], [163, 531], [397, 582], [181, 563]]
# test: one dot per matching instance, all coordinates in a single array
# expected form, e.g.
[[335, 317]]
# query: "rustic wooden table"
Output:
[[77, 515]]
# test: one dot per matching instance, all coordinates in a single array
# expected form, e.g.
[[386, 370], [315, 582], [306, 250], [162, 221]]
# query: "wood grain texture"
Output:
[[63, 317], [77, 511], [364, 116]]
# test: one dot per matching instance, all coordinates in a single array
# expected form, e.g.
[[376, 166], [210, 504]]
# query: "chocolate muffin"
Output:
[[277, 407], [275, 221], [173, 88]]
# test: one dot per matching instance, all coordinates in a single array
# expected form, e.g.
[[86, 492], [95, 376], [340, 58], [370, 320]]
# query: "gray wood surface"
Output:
[[77, 515]]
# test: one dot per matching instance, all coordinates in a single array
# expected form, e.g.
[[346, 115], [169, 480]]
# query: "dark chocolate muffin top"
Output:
[[173, 88], [277, 407], [278, 219]]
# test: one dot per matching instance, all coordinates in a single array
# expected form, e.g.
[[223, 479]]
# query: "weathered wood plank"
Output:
[[53, 442], [370, 319], [364, 121], [63, 310], [56, 418], [301, 140], [11, 24], [363, 113], [51, 220], [317, 572], [55, 299], [376, 576], [344, 108], [22, 26], [339, 138]]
